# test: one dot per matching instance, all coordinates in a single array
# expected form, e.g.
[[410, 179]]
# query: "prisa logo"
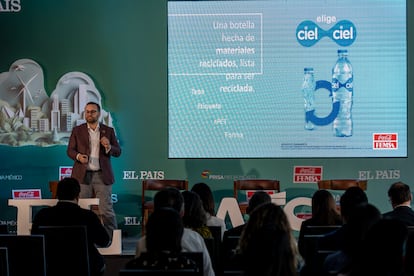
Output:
[[308, 33]]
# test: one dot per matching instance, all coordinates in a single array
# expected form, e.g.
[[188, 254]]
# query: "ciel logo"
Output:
[[343, 33]]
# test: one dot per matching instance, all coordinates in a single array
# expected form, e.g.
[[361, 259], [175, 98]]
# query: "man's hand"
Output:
[[83, 158], [105, 143]]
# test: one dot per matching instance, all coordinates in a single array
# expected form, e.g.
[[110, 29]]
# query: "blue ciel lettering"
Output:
[[343, 34], [308, 34], [349, 84]]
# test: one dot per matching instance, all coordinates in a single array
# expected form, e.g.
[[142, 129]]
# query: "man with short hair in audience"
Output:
[[191, 241], [67, 212], [400, 197]]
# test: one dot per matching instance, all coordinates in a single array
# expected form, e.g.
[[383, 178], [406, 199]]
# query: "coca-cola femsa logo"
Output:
[[385, 141], [307, 174], [27, 194]]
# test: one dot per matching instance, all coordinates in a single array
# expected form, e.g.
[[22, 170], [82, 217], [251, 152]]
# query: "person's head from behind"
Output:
[[68, 189], [360, 221], [206, 196], [382, 250], [164, 231], [351, 198], [399, 193], [324, 207], [257, 199], [169, 198], [267, 243], [194, 214]]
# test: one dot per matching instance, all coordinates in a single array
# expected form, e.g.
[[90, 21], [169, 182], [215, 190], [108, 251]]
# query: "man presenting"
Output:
[[91, 146]]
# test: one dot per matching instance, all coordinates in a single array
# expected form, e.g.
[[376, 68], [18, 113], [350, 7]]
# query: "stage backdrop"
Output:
[[56, 55]]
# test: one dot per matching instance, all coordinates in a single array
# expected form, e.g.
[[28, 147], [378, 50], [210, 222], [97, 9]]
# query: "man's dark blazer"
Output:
[[402, 213], [79, 143], [68, 213]]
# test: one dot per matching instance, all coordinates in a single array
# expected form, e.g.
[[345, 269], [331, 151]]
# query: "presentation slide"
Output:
[[287, 79]]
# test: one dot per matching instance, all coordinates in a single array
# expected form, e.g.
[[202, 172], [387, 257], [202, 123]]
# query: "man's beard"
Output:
[[91, 120]]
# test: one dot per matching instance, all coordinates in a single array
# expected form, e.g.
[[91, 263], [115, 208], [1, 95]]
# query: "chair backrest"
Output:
[[53, 188], [66, 249], [321, 229], [4, 229], [342, 184], [313, 259], [216, 232], [230, 244], [4, 261], [159, 184], [255, 184], [214, 246], [197, 257], [25, 253], [155, 272], [233, 272]]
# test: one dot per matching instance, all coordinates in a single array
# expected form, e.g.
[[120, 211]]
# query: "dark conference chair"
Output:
[[197, 257], [25, 254], [4, 261], [66, 249], [214, 246], [4, 229], [155, 272]]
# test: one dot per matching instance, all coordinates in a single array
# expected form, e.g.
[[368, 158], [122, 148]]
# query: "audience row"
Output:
[[351, 239]]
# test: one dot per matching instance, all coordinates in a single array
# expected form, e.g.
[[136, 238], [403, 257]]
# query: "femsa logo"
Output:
[[308, 33]]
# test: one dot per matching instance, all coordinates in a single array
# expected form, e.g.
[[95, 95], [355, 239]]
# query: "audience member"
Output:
[[324, 213], [206, 196], [359, 222], [164, 233], [67, 212], [191, 241], [230, 244], [194, 215], [267, 246], [382, 250], [350, 199], [258, 198], [400, 197]]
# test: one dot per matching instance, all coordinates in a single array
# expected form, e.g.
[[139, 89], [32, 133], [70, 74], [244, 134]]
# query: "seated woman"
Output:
[[163, 238], [324, 213], [194, 215], [267, 246], [207, 198]]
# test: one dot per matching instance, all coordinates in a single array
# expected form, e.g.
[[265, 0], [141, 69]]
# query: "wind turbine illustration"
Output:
[[24, 92]]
